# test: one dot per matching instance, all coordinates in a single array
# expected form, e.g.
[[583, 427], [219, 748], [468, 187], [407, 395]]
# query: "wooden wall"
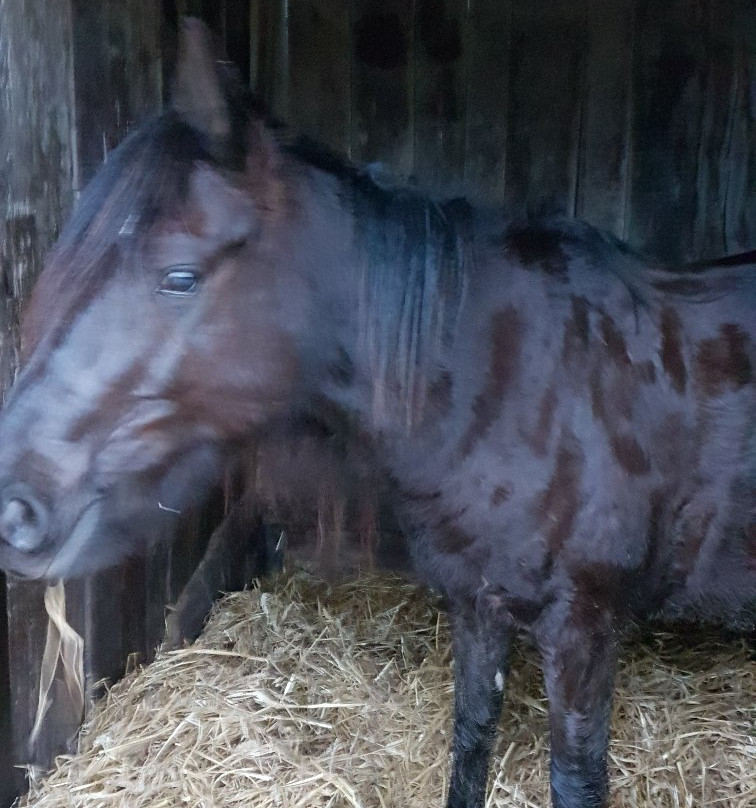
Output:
[[75, 76], [637, 115], [36, 172]]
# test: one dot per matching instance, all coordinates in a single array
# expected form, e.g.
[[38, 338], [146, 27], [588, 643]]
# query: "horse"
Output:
[[566, 430]]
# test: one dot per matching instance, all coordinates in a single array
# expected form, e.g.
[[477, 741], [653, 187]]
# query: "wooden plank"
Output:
[[488, 42], [547, 76], [604, 147], [117, 74], [103, 47], [738, 158], [319, 60], [36, 152], [135, 645], [718, 81], [221, 569], [269, 54], [9, 344], [255, 29], [22, 256], [157, 593], [19, 263], [169, 566], [236, 37], [440, 77], [382, 104], [114, 621], [670, 42], [96, 123], [144, 60], [36, 169]]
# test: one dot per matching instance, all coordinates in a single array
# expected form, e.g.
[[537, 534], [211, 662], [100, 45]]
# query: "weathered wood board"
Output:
[[635, 115]]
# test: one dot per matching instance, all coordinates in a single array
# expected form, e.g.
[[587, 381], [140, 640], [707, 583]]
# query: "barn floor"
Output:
[[303, 694]]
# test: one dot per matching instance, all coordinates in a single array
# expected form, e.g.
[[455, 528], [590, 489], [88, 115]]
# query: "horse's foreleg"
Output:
[[481, 651], [579, 648]]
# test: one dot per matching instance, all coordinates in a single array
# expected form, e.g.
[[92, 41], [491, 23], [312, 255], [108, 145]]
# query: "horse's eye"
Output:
[[179, 281]]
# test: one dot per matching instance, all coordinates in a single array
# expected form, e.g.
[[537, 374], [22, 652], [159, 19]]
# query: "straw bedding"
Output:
[[302, 695]]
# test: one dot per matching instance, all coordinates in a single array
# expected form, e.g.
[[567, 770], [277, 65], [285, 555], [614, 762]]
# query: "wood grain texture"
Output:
[[269, 55], [117, 75], [74, 78], [488, 39], [320, 71], [606, 103], [36, 154], [637, 116], [37, 162], [738, 158], [382, 100], [440, 78], [678, 128], [547, 77]]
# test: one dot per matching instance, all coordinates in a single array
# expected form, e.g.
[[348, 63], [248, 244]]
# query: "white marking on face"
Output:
[[129, 225], [499, 681]]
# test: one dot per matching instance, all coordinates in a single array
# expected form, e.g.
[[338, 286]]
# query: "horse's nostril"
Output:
[[23, 519]]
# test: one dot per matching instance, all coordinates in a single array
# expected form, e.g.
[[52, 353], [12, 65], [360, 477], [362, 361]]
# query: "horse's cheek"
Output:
[[248, 358]]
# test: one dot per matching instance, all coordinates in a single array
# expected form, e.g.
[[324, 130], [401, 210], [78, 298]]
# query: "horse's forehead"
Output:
[[214, 210]]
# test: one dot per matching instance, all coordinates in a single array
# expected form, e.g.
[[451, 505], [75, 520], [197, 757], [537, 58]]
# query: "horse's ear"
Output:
[[264, 165], [199, 97]]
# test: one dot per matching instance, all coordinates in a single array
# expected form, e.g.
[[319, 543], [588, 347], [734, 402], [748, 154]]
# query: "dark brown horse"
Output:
[[568, 433]]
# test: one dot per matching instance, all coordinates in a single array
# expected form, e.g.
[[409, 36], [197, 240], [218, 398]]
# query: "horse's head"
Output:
[[159, 331]]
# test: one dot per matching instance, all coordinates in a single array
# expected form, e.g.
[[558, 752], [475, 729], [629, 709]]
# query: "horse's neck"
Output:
[[392, 279]]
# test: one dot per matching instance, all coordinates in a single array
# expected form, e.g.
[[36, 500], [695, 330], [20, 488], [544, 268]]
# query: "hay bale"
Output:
[[301, 695]]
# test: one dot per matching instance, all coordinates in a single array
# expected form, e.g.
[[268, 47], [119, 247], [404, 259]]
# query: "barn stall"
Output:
[[638, 118]]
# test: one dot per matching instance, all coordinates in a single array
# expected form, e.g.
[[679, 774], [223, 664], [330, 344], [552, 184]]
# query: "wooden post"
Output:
[[37, 165], [75, 76]]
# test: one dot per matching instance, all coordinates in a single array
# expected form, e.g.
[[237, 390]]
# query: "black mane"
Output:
[[147, 172]]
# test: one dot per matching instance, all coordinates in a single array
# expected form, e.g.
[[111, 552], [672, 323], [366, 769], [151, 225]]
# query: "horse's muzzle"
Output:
[[24, 518]]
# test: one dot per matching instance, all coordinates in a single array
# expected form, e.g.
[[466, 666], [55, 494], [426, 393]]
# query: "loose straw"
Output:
[[304, 695], [62, 643]]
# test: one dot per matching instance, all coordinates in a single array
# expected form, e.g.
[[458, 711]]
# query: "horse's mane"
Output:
[[412, 271], [146, 176]]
